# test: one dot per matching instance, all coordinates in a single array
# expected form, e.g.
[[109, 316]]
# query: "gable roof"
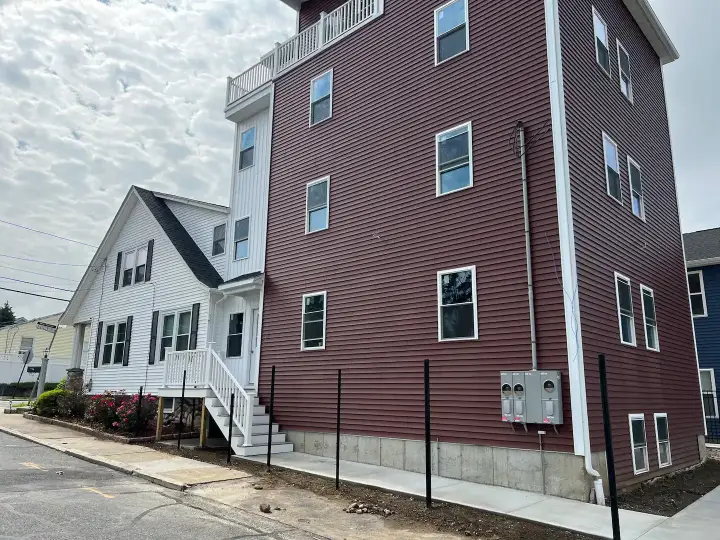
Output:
[[181, 240], [702, 247]]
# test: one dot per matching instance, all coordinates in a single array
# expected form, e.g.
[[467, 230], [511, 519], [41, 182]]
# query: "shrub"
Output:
[[61, 384], [71, 404], [47, 403], [102, 409], [128, 419]]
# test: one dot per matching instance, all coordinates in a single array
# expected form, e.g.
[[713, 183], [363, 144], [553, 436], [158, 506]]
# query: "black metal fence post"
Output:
[[272, 412], [232, 413], [428, 451], [337, 437], [139, 412], [182, 406], [609, 449]]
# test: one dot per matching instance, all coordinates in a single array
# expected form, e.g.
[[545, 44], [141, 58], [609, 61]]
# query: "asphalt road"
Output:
[[45, 494]]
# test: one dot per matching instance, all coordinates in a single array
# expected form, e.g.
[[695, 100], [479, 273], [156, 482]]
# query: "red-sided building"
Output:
[[400, 136]]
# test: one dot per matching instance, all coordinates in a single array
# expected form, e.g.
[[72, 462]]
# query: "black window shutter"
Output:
[[98, 342], [148, 263], [153, 336], [126, 350], [194, 326], [118, 270]]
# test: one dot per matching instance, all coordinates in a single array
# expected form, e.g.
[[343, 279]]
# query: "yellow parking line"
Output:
[[98, 492], [31, 465]]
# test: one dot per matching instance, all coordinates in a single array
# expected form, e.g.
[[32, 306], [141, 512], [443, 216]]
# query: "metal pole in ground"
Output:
[[337, 438], [609, 449], [272, 412], [139, 412], [232, 412], [428, 451], [182, 406]]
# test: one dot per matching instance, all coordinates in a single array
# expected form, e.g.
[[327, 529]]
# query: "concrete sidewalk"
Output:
[[699, 521], [564, 513]]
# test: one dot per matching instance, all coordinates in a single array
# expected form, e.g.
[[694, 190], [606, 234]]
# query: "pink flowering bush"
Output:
[[119, 412]]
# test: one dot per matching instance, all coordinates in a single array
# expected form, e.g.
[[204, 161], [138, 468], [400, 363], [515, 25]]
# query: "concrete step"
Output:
[[257, 430], [260, 449], [277, 438]]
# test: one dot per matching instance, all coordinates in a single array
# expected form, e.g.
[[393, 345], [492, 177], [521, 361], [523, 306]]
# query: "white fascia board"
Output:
[[650, 24], [699, 263], [192, 202]]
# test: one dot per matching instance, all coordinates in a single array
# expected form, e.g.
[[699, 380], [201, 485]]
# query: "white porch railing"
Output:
[[320, 35], [193, 363], [11, 357], [225, 385]]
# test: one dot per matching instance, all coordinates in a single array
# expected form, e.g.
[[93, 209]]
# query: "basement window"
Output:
[[624, 68], [313, 321], [662, 436], [317, 205], [602, 47], [638, 441], [612, 168], [625, 310], [651, 332], [457, 304], [321, 98], [247, 148], [451, 30], [453, 149]]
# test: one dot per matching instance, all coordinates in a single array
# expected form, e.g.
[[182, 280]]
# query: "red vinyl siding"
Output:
[[310, 11], [609, 238], [389, 234]]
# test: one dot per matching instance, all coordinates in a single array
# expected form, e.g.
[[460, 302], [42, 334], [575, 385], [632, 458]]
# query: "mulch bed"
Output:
[[667, 496], [406, 511]]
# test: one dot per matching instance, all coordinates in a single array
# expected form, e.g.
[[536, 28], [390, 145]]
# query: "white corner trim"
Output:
[[576, 366]]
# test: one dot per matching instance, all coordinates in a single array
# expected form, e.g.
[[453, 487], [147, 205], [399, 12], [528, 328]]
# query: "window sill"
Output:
[[441, 62], [438, 194], [652, 350], [313, 124], [633, 345], [700, 316], [603, 70], [628, 98], [310, 349], [665, 466], [451, 340], [643, 471], [317, 231], [246, 168], [241, 259]]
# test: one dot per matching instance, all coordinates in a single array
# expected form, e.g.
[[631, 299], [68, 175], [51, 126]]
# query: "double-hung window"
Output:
[[612, 168], [651, 332], [175, 332], [114, 343], [662, 436], [624, 68], [636, 188], [321, 98], [218, 244], [235, 336], [602, 47], [242, 238], [696, 285], [451, 30], [26, 344], [626, 317], [247, 148], [638, 441], [317, 205], [457, 304], [313, 321], [453, 149], [134, 267], [709, 393]]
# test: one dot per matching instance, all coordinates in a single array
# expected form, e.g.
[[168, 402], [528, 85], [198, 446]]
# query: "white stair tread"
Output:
[[260, 449]]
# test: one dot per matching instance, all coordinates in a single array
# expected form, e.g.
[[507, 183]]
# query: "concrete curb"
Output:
[[103, 462]]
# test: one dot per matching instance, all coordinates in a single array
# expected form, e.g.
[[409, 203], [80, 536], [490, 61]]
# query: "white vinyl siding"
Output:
[[314, 319], [626, 317], [696, 286], [652, 339], [638, 443], [602, 43], [662, 438], [612, 168], [452, 33], [457, 304]]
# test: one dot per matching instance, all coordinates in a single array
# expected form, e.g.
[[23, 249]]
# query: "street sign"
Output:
[[47, 327], [33, 369]]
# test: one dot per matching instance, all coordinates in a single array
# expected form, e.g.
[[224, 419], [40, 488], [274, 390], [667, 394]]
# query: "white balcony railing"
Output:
[[320, 35], [194, 364]]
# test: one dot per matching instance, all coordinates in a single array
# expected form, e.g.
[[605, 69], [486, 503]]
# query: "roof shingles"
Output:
[[702, 245]]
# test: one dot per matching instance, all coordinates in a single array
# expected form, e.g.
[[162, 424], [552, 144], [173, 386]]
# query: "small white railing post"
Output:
[[208, 360], [166, 373], [227, 91], [321, 30], [276, 60], [249, 407]]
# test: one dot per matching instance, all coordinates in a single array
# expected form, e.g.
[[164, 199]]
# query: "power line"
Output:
[[38, 273], [46, 233], [38, 261], [38, 284], [33, 294]]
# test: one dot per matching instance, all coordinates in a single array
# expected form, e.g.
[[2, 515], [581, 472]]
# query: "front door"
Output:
[[254, 346]]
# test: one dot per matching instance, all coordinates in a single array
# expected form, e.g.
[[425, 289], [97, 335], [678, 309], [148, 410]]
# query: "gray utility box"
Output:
[[531, 397]]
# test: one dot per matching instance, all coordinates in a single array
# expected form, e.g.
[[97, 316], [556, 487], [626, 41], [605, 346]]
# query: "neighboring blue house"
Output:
[[702, 254]]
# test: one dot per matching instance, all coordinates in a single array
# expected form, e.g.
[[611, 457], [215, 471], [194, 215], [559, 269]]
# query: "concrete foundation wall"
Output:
[[554, 473]]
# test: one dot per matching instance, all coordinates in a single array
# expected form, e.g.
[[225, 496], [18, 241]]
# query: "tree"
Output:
[[7, 316]]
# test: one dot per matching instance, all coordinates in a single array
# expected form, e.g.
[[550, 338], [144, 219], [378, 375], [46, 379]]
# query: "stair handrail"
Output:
[[244, 402]]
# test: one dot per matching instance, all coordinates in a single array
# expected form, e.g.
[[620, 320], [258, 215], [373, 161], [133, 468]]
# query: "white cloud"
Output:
[[96, 96]]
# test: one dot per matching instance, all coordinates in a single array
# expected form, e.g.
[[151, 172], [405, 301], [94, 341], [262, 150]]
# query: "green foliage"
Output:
[[7, 317], [71, 404], [61, 384], [119, 412], [47, 403]]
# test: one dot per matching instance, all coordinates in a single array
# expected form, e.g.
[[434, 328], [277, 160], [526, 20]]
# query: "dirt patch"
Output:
[[668, 495], [405, 511]]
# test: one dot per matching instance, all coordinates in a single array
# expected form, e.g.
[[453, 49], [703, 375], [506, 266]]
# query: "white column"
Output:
[[77, 348]]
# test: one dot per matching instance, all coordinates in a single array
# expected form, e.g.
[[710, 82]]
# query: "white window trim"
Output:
[[607, 37], [467, 31], [176, 323], [302, 322], [631, 89], [643, 289], [212, 240], [632, 417], [467, 125], [713, 390], [327, 204], [234, 241], [440, 305], [332, 89], [240, 149], [657, 439], [115, 342], [642, 188], [617, 302], [702, 291], [134, 252], [605, 165]]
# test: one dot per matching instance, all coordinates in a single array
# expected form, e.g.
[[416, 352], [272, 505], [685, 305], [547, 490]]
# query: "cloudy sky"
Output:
[[98, 95]]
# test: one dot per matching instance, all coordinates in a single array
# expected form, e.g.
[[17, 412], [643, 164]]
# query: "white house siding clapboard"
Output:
[[172, 287], [249, 196]]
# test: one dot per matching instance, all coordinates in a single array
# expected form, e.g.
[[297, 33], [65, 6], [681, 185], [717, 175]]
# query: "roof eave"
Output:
[[698, 263], [295, 4], [653, 29]]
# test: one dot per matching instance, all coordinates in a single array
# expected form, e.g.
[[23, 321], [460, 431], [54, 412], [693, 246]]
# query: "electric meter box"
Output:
[[506, 397], [531, 397]]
